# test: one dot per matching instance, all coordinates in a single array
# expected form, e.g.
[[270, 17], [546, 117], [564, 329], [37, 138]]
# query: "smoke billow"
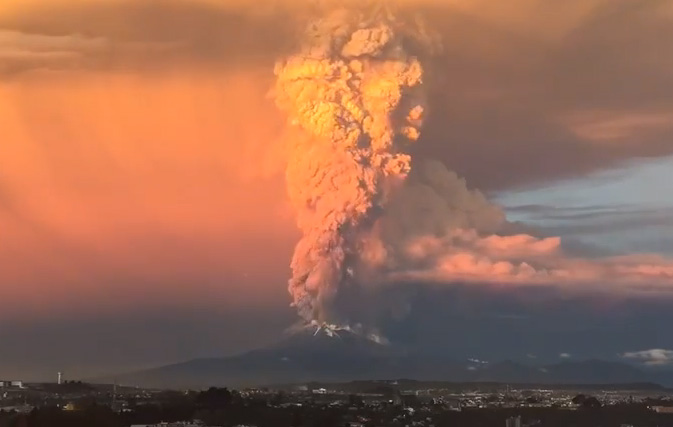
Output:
[[355, 90], [437, 230]]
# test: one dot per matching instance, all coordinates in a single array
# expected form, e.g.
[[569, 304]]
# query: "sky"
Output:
[[143, 210], [618, 210]]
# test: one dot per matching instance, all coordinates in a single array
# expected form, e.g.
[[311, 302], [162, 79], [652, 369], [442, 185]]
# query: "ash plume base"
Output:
[[335, 331]]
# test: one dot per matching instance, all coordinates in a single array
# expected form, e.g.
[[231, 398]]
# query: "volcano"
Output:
[[307, 355], [328, 355]]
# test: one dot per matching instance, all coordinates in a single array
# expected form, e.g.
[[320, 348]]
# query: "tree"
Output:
[[214, 398], [591, 402], [579, 399], [20, 421], [355, 400]]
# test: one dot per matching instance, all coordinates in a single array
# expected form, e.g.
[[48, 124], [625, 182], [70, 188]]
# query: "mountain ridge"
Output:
[[308, 357]]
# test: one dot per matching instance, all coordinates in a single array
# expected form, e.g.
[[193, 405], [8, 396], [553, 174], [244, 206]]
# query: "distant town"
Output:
[[401, 403]]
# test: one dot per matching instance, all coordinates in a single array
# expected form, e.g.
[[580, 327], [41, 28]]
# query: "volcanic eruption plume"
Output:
[[355, 91]]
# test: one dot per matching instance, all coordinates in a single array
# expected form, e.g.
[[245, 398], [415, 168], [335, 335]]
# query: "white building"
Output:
[[15, 384]]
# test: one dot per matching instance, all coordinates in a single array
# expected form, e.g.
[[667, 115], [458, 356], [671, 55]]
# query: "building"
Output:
[[12, 384]]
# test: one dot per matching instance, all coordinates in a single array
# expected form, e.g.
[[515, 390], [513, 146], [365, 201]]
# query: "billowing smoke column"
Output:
[[355, 92], [354, 89]]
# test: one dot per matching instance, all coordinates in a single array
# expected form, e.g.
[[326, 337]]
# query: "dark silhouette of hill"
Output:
[[299, 357], [306, 357]]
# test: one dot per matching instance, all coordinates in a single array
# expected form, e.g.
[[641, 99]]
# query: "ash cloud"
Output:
[[437, 230], [358, 94], [510, 100]]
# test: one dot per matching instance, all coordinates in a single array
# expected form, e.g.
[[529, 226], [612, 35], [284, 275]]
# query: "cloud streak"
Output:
[[652, 357], [23, 51]]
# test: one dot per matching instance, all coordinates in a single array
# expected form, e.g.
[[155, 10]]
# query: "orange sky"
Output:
[[147, 178]]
